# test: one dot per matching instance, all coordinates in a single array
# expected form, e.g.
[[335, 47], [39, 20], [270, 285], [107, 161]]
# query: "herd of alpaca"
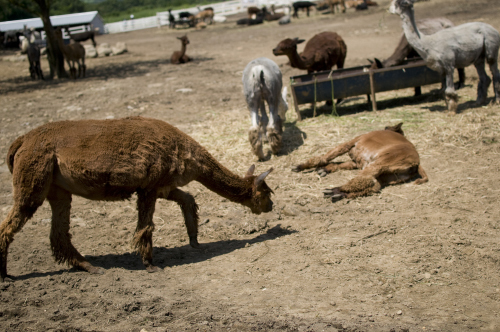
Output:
[[111, 160]]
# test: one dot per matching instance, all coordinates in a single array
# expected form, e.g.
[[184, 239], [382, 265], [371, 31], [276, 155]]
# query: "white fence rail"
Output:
[[220, 8]]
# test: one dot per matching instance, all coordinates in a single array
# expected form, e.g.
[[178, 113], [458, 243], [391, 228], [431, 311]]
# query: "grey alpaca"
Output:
[[455, 47], [262, 82]]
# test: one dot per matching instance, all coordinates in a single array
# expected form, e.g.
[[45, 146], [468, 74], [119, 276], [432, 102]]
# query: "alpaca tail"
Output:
[[12, 152]]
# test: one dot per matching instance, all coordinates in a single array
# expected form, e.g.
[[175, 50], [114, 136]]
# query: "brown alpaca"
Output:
[[322, 52], [111, 160], [73, 52], [180, 56], [385, 157]]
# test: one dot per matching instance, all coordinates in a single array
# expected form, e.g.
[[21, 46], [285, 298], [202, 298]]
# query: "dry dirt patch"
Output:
[[412, 258]]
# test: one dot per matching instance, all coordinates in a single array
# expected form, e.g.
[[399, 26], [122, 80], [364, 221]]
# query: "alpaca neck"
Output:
[[296, 60], [414, 37], [223, 182], [183, 50]]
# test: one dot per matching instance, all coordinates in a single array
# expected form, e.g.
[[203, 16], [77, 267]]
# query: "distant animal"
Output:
[[362, 6], [252, 11], [385, 157], [179, 57], [82, 36], [73, 53], [269, 16], [206, 15], [302, 5], [33, 52], [322, 52], [404, 50], [110, 160], [262, 82], [259, 19], [171, 19], [456, 47]]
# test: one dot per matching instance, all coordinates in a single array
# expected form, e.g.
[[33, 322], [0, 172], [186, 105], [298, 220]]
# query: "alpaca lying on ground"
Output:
[[455, 47], [404, 50], [262, 82], [384, 157], [73, 52], [111, 160], [180, 56]]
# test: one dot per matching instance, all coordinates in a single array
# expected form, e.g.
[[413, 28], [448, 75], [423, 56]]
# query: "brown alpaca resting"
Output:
[[111, 160], [384, 157], [180, 56]]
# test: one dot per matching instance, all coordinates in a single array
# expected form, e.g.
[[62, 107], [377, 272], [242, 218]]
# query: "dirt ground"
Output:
[[411, 258]]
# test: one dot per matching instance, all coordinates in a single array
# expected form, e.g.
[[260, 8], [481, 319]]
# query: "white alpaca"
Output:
[[455, 47], [262, 83]]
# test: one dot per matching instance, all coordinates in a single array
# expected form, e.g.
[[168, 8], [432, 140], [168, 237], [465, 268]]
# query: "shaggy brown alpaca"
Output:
[[385, 157], [111, 160], [180, 56]]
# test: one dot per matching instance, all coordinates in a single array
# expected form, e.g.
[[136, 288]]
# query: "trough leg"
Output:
[[60, 238], [189, 211], [143, 237]]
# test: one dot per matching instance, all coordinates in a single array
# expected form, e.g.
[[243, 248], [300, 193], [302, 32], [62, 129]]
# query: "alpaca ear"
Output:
[[300, 41], [250, 171], [370, 61], [379, 63], [260, 179], [396, 128]]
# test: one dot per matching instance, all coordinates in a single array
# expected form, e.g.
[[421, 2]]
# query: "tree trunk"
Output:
[[54, 53]]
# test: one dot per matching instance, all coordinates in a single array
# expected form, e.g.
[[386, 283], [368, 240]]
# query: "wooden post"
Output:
[[372, 89], [295, 104]]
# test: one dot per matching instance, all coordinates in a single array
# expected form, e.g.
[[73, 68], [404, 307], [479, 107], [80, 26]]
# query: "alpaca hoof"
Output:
[[193, 242], [152, 269], [322, 172], [86, 266], [334, 193], [296, 169], [96, 270]]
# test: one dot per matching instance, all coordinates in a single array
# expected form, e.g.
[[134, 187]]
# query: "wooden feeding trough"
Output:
[[355, 81]]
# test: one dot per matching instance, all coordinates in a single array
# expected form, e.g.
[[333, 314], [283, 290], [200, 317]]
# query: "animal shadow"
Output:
[[293, 138], [169, 257]]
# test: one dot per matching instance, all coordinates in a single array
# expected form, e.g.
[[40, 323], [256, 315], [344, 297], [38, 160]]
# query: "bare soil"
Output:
[[412, 258]]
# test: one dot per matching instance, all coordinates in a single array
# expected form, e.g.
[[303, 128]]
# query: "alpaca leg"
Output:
[[189, 211], [331, 168], [461, 79], [254, 134], [326, 158], [274, 128], [84, 67], [143, 237], [31, 182], [264, 120], [450, 95], [484, 82], [362, 185], [60, 238], [496, 78]]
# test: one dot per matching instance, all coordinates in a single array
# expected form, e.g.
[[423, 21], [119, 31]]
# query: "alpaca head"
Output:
[[261, 193], [398, 5], [396, 128], [184, 40], [287, 46]]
